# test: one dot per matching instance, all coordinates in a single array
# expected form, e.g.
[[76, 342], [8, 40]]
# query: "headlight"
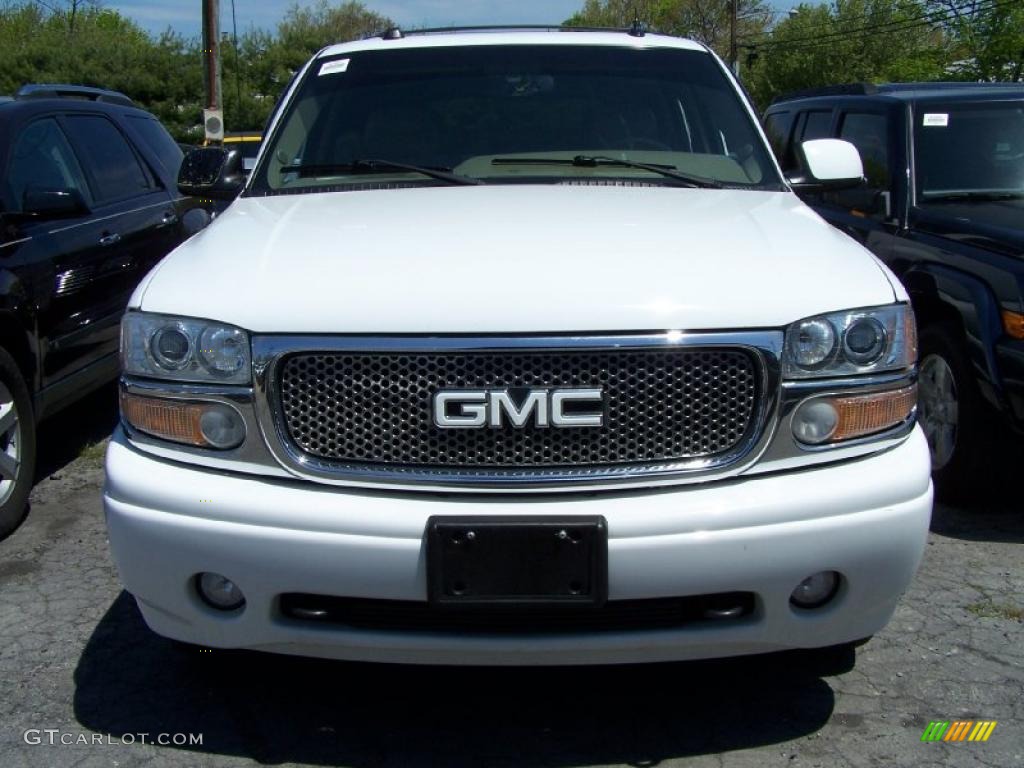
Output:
[[812, 343], [856, 341], [184, 349]]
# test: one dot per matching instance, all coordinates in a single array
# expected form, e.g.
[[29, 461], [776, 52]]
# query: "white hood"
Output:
[[510, 259]]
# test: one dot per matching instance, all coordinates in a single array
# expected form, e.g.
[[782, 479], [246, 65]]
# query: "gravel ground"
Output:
[[76, 657]]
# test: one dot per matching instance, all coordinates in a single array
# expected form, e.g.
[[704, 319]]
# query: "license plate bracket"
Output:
[[474, 560]]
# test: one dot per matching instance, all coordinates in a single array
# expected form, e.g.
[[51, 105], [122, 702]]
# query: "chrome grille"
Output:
[[663, 405]]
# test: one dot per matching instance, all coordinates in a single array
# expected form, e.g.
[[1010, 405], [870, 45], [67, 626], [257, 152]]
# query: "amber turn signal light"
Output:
[[174, 420], [862, 415], [205, 424], [832, 419], [1013, 322]]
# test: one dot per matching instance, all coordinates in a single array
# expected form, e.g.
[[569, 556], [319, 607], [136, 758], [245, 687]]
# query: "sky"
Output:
[[183, 16]]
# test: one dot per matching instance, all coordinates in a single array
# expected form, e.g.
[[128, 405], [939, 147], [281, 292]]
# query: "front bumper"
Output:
[[866, 518]]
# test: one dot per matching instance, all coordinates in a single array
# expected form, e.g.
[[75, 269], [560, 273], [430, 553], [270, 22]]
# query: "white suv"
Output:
[[517, 348]]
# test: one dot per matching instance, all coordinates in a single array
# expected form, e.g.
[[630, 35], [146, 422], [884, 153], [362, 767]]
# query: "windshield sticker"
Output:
[[940, 120], [332, 67]]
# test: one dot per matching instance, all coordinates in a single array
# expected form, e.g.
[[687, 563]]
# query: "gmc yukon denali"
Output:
[[516, 347]]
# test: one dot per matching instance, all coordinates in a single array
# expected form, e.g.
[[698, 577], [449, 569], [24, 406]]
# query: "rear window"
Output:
[[159, 142]]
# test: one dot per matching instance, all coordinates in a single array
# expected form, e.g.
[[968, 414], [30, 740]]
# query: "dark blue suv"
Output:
[[943, 206]]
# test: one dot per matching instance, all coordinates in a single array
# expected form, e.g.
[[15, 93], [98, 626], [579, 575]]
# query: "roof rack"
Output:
[[61, 91], [844, 89], [396, 33], [895, 89], [944, 85]]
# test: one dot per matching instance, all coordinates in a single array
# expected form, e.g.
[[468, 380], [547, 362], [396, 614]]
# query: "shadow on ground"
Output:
[[62, 438], [997, 520], [993, 510], [276, 709]]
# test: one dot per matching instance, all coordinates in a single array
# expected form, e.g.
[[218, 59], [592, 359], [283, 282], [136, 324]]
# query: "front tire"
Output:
[[17, 445], [950, 411]]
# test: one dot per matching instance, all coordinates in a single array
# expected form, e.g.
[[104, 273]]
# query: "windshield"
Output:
[[969, 151], [515, 114]]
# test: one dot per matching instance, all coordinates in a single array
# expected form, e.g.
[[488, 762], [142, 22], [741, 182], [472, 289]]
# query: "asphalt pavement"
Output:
[[83, 682]]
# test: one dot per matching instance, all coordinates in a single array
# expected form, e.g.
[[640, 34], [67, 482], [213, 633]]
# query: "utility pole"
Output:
[[238, 71], [734, 59], [213, 115]]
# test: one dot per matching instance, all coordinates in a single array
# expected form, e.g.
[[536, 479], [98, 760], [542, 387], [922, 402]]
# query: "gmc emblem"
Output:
[[480, 408]]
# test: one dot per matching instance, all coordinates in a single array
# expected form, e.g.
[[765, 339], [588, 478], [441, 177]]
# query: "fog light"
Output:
[[219, 592], [222, 426], [815, 421], [816, 590]]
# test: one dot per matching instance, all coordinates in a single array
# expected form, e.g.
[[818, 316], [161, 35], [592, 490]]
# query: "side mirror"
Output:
[[211, 172], [50, 203], [829, 164]]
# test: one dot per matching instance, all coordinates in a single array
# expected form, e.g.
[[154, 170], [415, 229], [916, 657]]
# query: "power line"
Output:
[[973, 5], [932, 17], [896, 25]]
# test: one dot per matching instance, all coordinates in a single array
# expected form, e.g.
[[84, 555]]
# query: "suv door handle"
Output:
[[169, 217], [110, 239]]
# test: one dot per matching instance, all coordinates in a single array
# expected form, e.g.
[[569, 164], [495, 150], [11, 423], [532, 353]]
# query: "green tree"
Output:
[[85, 44], [988, 37], [265, 63], [848, 41], [81, 42], [306, 29], [704, 20]]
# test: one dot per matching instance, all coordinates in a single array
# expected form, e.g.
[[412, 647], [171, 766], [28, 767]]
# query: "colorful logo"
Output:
[[958, 730]]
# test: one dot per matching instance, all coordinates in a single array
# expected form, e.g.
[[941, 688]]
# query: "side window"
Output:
[[817, 125], [778, 126], [115, 171], [869, 133], [42, 157]]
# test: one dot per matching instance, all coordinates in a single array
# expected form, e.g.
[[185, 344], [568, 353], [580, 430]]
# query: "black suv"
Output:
[[88, 204], [943, 206]]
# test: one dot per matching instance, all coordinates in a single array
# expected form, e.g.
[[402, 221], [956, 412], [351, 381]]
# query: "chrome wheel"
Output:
[[938, 408], [10, 444]]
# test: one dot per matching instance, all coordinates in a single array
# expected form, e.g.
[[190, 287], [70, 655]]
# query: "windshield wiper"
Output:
[[598, 161], [977, 195], [376, 166]]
